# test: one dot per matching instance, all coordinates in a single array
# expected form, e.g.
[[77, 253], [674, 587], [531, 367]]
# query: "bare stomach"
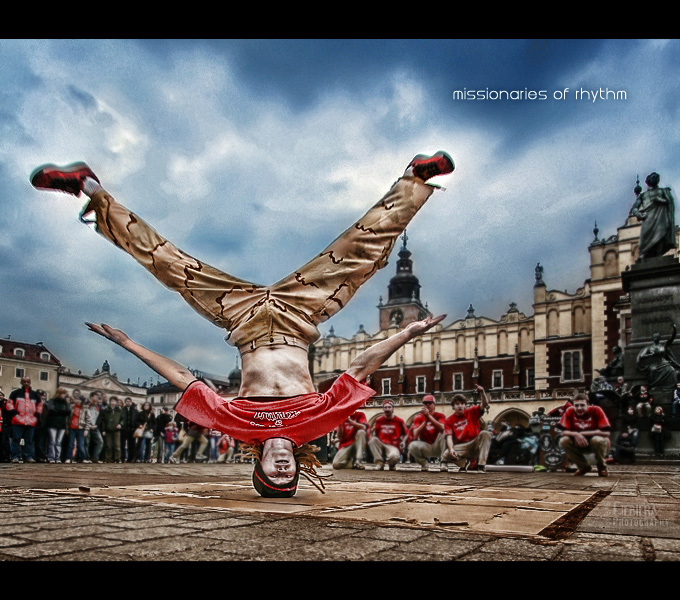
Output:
[[275, 371]]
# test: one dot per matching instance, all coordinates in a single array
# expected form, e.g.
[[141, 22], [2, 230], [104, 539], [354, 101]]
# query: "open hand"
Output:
[[419, 327], [115, 335]]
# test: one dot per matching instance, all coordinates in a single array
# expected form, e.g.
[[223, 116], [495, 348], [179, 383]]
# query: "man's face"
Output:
[[25, 382], [388, 410], [128, 401], [459, 408], [580, 406], [428, 405], [113, 403], [278, 461]]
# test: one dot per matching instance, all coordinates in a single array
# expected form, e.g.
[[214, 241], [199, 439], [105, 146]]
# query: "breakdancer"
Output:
[[278, 410]]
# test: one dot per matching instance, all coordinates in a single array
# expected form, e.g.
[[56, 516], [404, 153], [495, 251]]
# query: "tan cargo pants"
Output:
[[289, 311]]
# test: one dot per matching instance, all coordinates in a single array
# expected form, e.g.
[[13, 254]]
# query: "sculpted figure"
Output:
[[656, 209], [658, 363]]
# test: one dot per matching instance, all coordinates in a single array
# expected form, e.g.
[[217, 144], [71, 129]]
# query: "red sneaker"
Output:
[[67, 179], [581, 471], [425, 167]]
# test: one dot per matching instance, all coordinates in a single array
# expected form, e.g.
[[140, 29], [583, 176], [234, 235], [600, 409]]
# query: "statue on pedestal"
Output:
[[658, 363], [615, 368], [655, 208]]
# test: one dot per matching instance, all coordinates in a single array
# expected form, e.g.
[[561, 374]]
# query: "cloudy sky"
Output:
[[254, 154]]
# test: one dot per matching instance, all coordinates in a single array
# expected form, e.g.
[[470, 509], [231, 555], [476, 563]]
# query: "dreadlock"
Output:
[[305, 458]]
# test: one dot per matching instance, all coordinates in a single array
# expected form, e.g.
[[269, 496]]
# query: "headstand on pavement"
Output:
[[278, 410]]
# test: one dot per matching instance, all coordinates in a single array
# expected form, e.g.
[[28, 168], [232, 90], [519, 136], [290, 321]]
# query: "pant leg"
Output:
[[219, 297], [344, 457], [600, 447], [325, 284], [574, 453]]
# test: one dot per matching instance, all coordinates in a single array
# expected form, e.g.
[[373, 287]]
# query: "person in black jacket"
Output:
[[146, 419], [127, 441], [56, 421]]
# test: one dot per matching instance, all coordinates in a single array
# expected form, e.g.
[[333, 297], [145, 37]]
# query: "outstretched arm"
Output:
[[175, 373], [371, 359]]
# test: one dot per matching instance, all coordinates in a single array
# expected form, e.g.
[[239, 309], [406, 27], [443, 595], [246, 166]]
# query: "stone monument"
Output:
[[653, 284]]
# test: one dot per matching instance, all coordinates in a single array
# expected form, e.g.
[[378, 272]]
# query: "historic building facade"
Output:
[[18, 359], [103, 381]]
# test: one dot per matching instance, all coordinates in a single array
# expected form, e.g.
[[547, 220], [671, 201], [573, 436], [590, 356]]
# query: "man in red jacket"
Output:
[[272, 326], [25, 407]]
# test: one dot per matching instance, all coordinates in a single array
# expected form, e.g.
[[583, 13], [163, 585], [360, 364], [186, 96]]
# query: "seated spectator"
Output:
[[351, 438], [465, 439], [585, 429], [627, 441], [427, 433], [388, 438], [644, 401]]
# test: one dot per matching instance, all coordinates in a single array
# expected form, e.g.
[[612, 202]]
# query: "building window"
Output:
[[45, 356], [18, 372], [386, 387], [497, 379], [571, 366], [530, 378], [44, 376], [420, 384], [457, 381], [19, 353]]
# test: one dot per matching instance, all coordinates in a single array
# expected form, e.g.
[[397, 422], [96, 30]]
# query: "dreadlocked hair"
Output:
[[305, 458]]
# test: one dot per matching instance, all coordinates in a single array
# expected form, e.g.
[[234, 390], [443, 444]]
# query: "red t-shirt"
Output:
[[466, 427], [390, 431], [593, 418], [347, 432], [429, 433], [299, 418]]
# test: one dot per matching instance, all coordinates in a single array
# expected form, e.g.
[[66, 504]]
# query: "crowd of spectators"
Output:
[[72, 428], [95, 429]]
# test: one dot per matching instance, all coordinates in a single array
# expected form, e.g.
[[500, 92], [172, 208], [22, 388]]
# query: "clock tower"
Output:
[[403, 304]]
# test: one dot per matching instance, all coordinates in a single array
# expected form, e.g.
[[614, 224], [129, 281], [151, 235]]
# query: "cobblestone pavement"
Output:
[[154, 512]]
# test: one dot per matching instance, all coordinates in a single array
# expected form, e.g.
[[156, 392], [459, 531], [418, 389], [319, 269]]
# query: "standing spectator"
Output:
[[676, 398], [112, 423], [226, 448], [6, 433], [465, 438], [658, 432], [24, 406], [76, 432], [427, 434], [127, 432], [41, 430], [644, 401], [214, 439], [388, 438], [94, 442], [162, 421], [56, 421], [585, 429], [195, 433], [170, 436], [146, 419], [351, 436]]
